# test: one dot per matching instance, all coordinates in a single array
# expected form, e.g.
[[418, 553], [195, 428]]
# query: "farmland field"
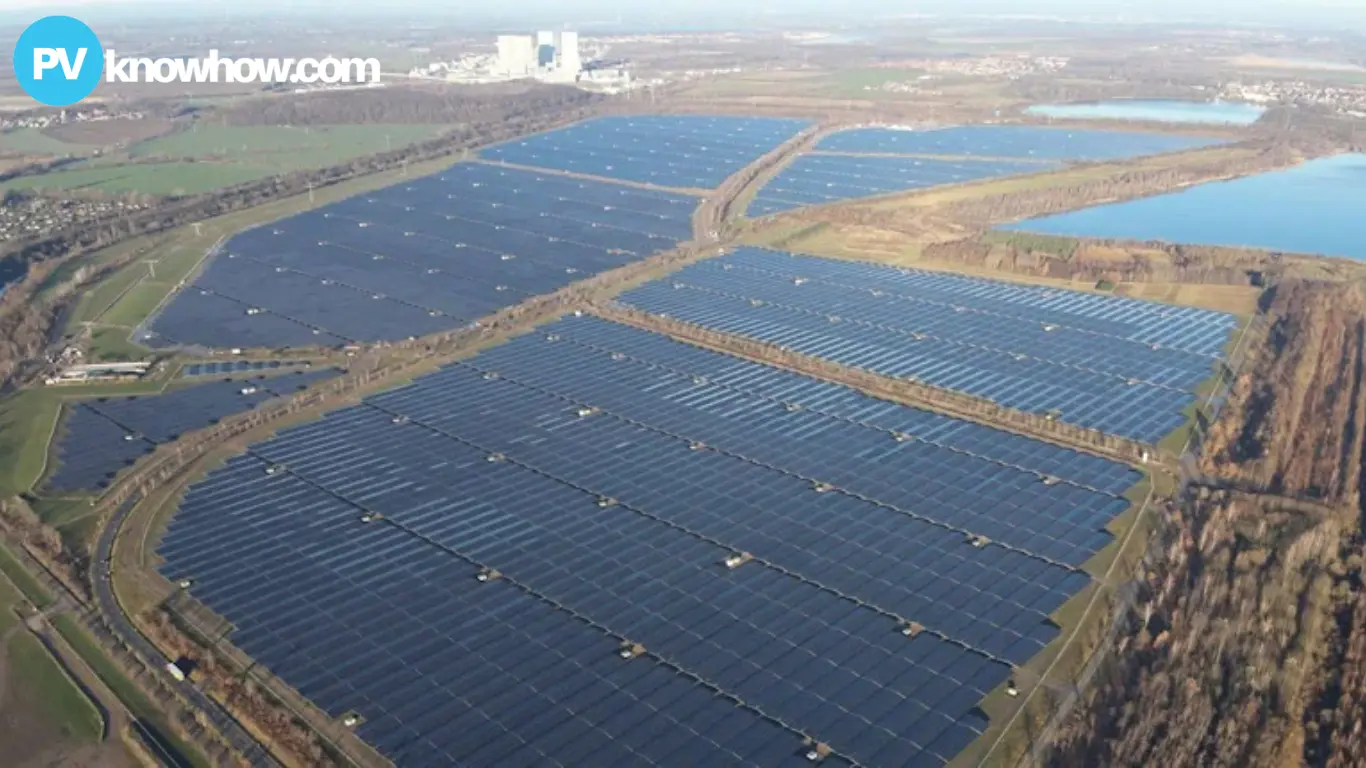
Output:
[[208, 157], [32, 141], [44, 717], [283, 148]]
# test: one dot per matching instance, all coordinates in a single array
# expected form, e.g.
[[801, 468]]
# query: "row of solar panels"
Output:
[[604, 483], [876, 161], [100, 438], [1095, 362], [417, 258], [680, 151]]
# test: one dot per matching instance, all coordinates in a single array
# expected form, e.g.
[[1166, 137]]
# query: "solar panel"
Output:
[[647, 523], [1011, 141], [680, 151], [1119, 365], [231, 367], [419, 257], [821, 178], [99, 438]]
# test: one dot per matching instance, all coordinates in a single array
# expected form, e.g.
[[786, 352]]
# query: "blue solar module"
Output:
[[682, 151], [1011, 141], [101, 437], [420, 257], [841, 402], [818, 178], [1119, 365], [604, 476], [231, 367]]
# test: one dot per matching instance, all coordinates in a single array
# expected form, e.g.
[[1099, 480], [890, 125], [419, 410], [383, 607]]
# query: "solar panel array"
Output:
[[1011, 141], [681, 151], [419, 257], [102, 437], [232, 367], [820, 178], [598, 478], [1123, 366]]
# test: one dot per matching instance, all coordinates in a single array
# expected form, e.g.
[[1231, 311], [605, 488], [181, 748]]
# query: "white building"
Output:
[[516, 55], [567, 61]]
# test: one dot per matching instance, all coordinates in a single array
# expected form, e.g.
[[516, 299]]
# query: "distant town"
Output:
[[62, 117]]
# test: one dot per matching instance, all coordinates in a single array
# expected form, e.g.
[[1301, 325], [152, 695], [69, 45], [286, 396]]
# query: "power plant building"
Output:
[[567, 54], [545, 55], [517, 55]]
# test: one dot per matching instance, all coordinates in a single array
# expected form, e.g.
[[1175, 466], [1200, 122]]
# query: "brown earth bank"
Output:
[[1246, 645]]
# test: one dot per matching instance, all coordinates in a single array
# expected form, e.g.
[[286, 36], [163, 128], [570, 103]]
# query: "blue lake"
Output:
[[1163, 111], [1318, 207]]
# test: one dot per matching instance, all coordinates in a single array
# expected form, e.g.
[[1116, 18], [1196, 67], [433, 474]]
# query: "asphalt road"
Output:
[[222, 721]]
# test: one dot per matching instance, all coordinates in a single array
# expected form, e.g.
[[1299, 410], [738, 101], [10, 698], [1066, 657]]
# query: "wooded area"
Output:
[[1247, 646]]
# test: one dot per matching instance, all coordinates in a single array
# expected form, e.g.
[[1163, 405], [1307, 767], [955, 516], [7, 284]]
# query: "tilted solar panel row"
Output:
[[818, 179], [445, 670], [101, 437], [1060, 345], [780, 519], [833, 399], [1199, 331], [1023, 347], [657, 586], [1012, 506], [417, 258], [624, 527], [230, 367], [1138, 411], [1011, 141], [683, 151]]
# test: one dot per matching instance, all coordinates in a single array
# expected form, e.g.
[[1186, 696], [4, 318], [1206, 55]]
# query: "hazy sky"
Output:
[[1307, 12]]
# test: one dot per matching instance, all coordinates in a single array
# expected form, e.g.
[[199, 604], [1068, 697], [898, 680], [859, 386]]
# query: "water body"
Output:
[[1317, 208], [11, 271], [1162, 111]]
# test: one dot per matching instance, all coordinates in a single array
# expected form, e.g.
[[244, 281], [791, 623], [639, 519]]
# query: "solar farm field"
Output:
[[876, 161], [236, 367], [102, 437], [1122, 366], [686, 152], [1012, 141], [596, 545], [416, 258], [818, 179]]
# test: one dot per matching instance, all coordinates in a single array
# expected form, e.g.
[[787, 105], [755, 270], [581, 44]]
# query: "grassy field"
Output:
[[55, 696], [161, 179], [44, 716], [201, 158], [27, 420], [867, 83], [138, 703], [16, 575], [283, 148], [32, 141]]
